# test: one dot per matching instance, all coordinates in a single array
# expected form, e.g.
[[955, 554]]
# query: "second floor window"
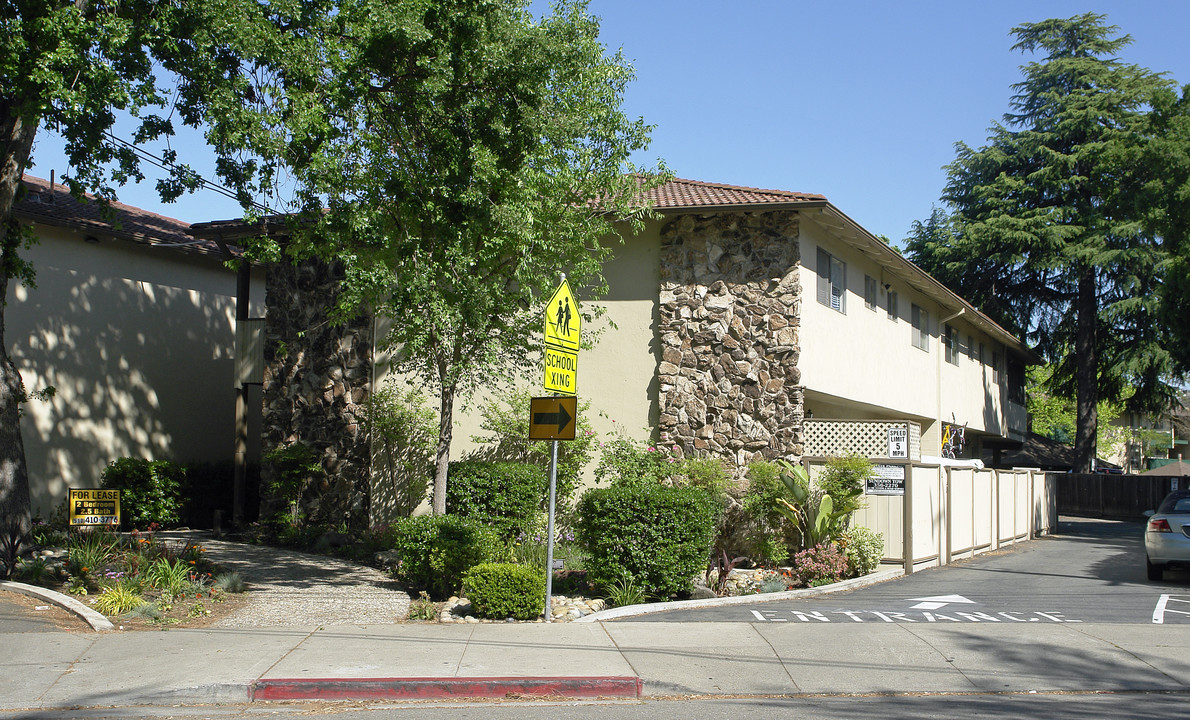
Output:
[[892, 305], [921, 328], [832, 281], [950, 342], [870, 292], [1016, 381]]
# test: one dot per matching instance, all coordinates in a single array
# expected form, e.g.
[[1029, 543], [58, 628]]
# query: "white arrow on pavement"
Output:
[[937, 601]]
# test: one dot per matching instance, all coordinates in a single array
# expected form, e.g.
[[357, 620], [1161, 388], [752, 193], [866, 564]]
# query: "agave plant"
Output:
[[812, 513]]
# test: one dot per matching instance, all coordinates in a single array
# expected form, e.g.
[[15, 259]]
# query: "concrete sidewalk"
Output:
[[60, 669]]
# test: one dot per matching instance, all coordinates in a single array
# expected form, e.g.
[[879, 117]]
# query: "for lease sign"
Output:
[[94, 507]]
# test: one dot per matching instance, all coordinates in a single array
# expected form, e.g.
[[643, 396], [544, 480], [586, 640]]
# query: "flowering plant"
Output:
[[818, 565]]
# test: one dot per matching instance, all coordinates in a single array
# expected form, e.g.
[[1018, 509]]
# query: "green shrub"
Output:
[[436, 550], [843, 478], [404, 435], [118, 599], [172, 579], [624, 592], [292, 468], [656, 536], [765, 537], [505, 590], [506, 424], [150, 491], [505, 495], [626, 460], [865, 550], [710, 474], [93, 549]]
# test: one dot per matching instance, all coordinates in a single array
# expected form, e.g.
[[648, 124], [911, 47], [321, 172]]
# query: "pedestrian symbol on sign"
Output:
[[563, 324]]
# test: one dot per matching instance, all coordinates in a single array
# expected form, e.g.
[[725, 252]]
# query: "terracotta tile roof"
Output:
[[681, 194], [56, 207]]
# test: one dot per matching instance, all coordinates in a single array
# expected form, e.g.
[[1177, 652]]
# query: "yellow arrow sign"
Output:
[[563, 324], [552, 418]]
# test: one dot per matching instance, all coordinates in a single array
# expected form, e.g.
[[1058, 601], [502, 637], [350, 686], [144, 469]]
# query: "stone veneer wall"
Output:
[[729, 318], [316, 382]]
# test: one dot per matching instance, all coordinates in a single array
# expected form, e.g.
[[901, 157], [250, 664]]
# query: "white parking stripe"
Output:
[[1163, 608], [1159, 611]]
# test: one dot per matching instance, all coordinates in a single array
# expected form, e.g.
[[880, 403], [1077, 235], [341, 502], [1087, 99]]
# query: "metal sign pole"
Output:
[[549, 546]]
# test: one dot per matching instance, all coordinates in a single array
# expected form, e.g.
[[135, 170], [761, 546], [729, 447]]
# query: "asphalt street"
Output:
[[1091, 572], [1010, 706]]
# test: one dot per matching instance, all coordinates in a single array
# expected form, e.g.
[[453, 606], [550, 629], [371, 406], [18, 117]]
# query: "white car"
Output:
[[1167, 535]]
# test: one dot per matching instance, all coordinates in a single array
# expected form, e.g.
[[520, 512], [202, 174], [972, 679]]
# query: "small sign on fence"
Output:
[[886, 480], [898, 442]]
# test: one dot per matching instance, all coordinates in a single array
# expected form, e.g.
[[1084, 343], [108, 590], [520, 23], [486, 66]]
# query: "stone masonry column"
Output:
[[730, 309], [316, 383]]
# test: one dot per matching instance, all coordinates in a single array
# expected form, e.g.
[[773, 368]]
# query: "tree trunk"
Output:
[[442, 460], [17, 137], [1086, 357]]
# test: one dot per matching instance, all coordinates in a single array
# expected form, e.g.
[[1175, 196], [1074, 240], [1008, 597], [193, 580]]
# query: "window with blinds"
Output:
[[921, 328], [832, 281]]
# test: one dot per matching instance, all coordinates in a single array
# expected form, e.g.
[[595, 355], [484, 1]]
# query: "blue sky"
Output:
[[861, 101]]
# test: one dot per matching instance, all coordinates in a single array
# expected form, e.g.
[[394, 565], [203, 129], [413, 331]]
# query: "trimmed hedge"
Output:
[[435, 551], [505, 590], [655, 536], [508, 496]]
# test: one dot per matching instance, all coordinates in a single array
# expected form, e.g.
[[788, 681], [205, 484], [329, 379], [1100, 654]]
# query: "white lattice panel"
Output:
[[867, 438]]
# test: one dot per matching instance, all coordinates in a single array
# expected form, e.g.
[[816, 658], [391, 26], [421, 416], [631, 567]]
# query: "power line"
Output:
[[162, 164]]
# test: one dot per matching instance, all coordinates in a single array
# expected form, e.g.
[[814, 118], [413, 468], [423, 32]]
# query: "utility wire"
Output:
[[162, 164]]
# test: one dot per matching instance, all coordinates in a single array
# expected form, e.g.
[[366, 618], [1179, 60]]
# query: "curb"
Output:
[[442, 688], [97, 622], [650, 608]]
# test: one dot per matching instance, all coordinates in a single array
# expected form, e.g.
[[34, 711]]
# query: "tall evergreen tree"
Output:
[[1045, 239], [1159, 187]]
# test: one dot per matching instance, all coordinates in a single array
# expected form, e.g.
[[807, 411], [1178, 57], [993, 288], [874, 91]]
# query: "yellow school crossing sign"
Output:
[[562, 321], [563, 327]]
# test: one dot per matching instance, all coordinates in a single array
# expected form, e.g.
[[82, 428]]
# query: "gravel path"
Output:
[[294, 588]]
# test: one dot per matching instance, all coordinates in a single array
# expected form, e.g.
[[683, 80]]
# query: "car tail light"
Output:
[[1159, 525]]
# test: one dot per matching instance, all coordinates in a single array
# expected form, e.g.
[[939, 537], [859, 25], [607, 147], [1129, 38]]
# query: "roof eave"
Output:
[[743, 207], [925, 283], [99, 227]]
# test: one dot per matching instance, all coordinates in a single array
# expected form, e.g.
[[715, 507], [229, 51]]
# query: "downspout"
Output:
[[239, 482], [240, 452], [943, 472], [938, 376]]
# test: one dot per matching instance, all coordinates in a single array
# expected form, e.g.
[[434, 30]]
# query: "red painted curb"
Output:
[[431, 688]]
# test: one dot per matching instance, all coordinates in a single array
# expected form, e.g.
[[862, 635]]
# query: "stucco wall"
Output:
[[618, 375], [138, 343], [861, 363]]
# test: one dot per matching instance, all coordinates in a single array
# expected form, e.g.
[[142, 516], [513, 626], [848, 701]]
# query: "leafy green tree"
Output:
[[1044, 238], [1159, 186], [403, 432], [457, 156], [72, 66], [1053, 416]]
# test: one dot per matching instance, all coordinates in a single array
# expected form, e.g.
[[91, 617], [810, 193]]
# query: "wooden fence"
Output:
[[1120, 497]]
